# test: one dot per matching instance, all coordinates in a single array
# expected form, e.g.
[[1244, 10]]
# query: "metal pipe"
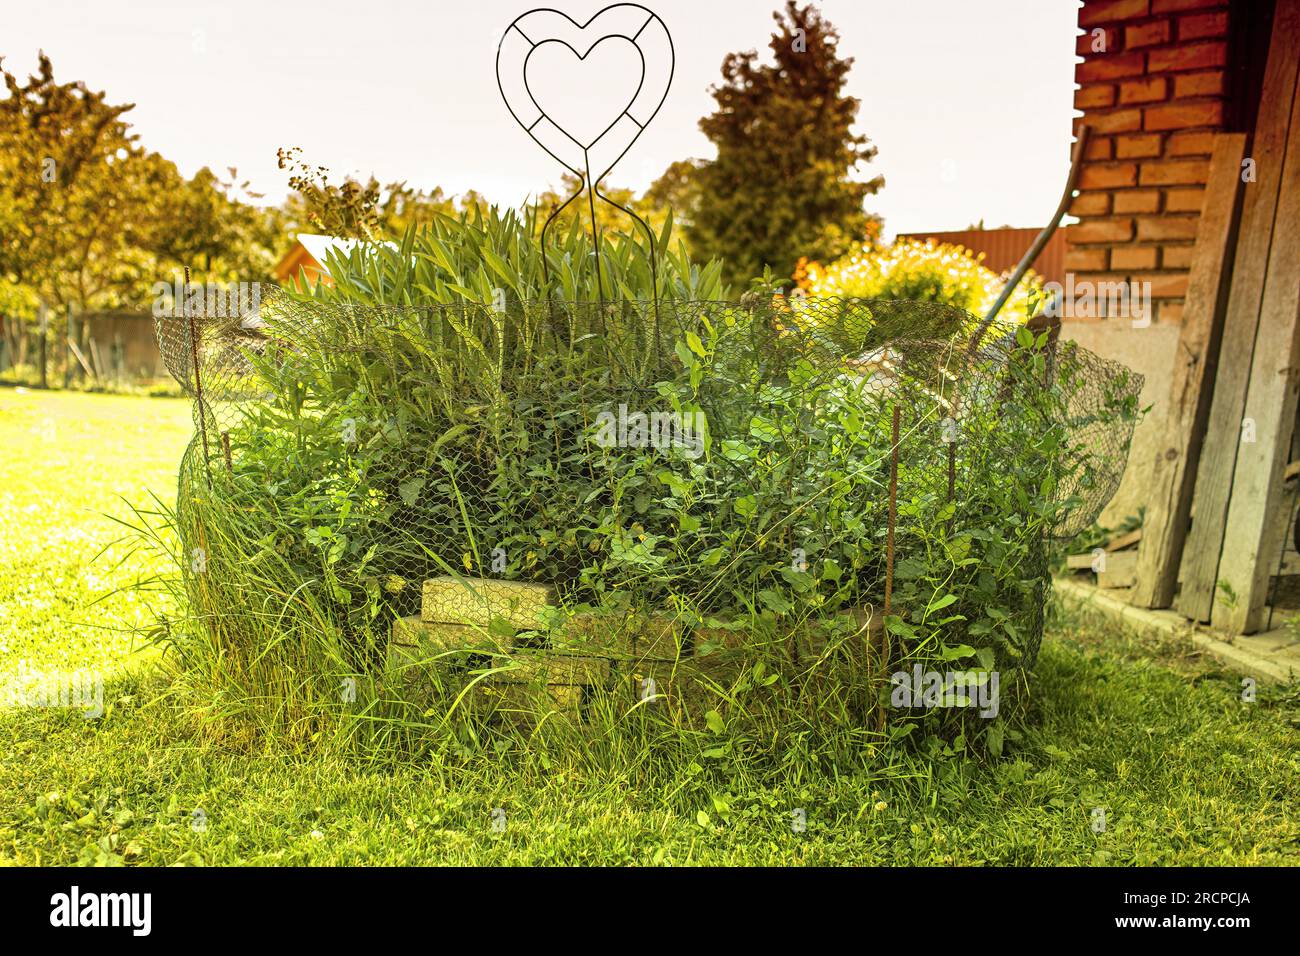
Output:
[[1076, 167]]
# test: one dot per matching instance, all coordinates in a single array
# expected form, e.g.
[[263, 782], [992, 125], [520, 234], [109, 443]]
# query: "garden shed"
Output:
[[1191, 183]]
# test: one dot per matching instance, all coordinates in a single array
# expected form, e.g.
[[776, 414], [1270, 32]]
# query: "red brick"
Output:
[[1107, 11], [1137, 200], [1090, 204], [1177, 6], [1111, 66], [1174, 172], [1099, 148], [1165, 285], [1100, 230], [1191, 56], [1184, 200], [1160, 228], [1183, 115], [1141, 146], [1147, 34], [1146, 90], [1107, 176], [1199, 84], [1116, 121], [1133, 257], [1203, 25], [1094, 96], [1176, 257], [1098, 41], [1086, 260], [1103, 283], [1190, 144]]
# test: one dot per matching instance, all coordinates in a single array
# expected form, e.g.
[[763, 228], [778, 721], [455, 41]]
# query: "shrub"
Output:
[[921, 271], [408, 421]]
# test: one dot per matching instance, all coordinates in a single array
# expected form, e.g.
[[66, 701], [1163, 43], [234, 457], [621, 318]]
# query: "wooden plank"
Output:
[[81, 357], [1126, 540], [1169, 505], [1292, 471], [1199, 573], [97, 359], [1256, 527], [1120, 570], [479, 601]]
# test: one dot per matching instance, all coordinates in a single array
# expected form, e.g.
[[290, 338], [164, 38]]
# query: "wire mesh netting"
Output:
[[496, 478]]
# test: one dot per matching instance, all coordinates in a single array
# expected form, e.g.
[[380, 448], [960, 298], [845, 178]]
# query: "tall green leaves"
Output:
[[496, 258]]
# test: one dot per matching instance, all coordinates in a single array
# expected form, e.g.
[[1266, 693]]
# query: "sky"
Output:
[[968, 101]]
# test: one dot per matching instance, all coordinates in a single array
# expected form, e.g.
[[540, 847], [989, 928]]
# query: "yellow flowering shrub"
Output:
[[922, 270]]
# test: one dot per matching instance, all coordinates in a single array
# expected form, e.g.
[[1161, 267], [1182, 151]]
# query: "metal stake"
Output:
[[198, 379]]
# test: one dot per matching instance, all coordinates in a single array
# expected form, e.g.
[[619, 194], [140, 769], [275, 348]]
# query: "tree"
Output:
[[678, 189], [781, 187], [90, 219], [217, 228], [66, 196], [608, 218]]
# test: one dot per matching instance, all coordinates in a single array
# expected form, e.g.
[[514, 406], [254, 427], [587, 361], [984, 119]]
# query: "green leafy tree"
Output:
[[91, 219], [72, 180], [677, 189], [218, 228], [781, 187], [609, 220]]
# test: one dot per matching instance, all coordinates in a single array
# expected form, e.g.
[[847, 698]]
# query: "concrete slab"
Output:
[[1273, 656]]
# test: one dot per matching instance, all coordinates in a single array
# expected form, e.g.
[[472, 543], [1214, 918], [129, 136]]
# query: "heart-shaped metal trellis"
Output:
[[576, 136]]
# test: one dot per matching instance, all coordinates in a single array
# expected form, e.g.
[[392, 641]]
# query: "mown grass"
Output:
[[1187, 771]]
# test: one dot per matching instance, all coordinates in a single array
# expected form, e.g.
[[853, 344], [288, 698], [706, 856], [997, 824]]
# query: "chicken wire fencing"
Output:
[[478, 483]]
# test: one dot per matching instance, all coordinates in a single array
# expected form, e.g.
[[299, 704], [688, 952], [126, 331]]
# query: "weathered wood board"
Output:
[[1188, 408], [1199, 575], [1256, 523]]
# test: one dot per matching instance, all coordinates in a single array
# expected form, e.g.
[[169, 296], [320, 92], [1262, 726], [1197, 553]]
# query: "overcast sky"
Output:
[[968, 101]]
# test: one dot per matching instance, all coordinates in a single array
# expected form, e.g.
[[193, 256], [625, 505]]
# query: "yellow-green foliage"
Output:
[[922, 270]]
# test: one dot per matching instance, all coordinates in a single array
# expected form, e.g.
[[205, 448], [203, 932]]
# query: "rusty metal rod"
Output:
[[198, 379], [893, 517], [1027, 260], [952, 475]]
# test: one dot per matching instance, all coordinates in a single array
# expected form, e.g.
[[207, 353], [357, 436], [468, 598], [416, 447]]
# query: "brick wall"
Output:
[[1154, 97]]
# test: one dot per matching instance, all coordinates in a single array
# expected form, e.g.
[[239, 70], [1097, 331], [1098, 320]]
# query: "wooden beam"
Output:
[[1199, 574], [1125, 540], [1256, 525], [1169, 504], [1120, 570], [76, 350]]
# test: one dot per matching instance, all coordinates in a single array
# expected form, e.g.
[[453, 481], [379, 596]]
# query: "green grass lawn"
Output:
[[1187, 772]]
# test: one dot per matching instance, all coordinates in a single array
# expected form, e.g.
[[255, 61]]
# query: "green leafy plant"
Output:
[[435, 411]]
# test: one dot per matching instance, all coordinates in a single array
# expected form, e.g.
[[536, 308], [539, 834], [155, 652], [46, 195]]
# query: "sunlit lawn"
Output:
[[69, 460], [1187, 772]]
